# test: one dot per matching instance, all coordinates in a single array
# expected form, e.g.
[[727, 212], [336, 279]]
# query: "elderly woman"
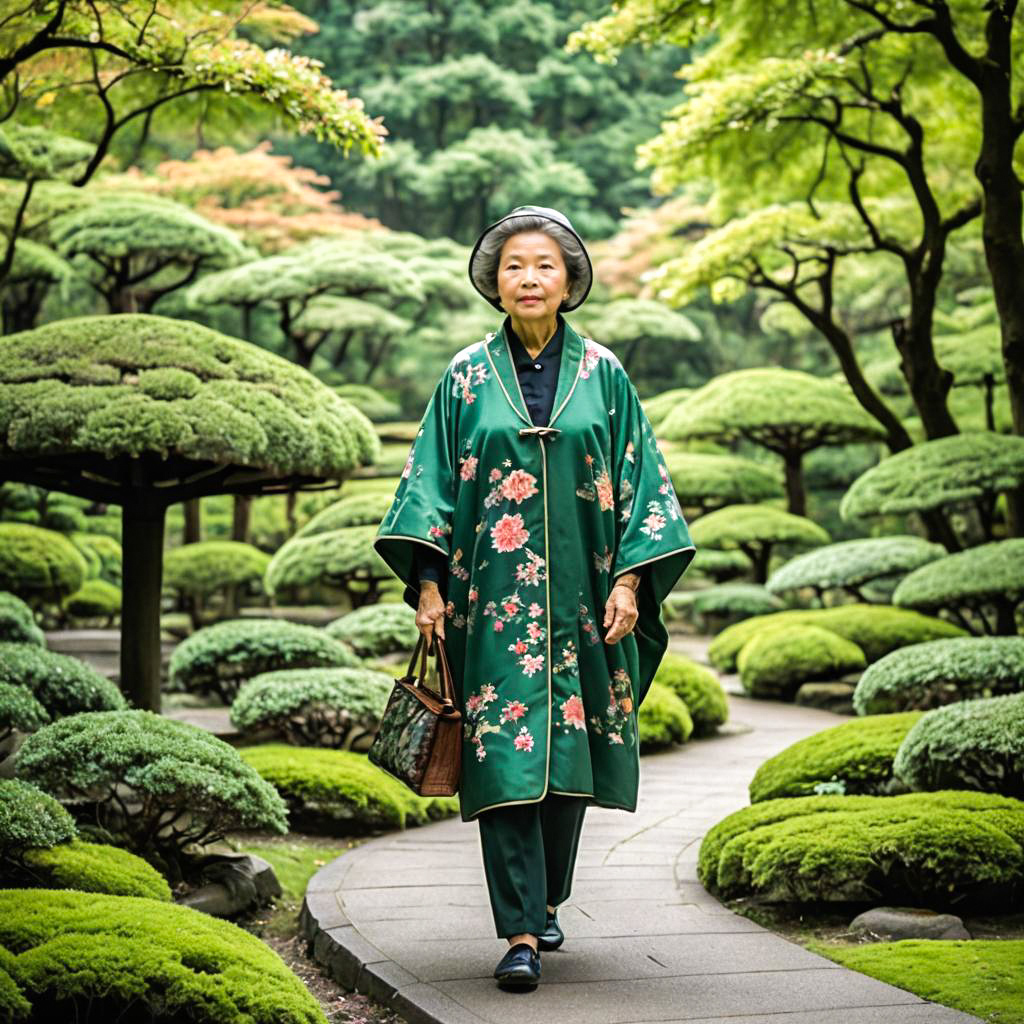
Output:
[[540, 554]]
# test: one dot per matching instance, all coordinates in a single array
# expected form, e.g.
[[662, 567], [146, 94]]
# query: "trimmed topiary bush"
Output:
[[377, 629], [875, 629], [716, 607], [102, 553], [698, 688], [975, 744], [948, 849], [857, 754], [354, 510], [219, 658], [20, 711], [208, 566], [339, 708], [89, 867], [154, 784], [95, 599], [120, 954], [938, 672], [778, 659], [340, 792], [663, 719], [41, 566], [62, 684], [30, 818], [17, 623]]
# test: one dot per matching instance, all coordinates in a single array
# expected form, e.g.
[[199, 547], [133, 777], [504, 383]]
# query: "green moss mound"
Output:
[[17, 623], [875, 629], [219, 658], [947, 849], [377, 629], [72, 950], [698, 688], [858, 753], [89, 867], [62, 684], [939, 672], [663, 719], [777, 659], [341, 792], [975, 744]]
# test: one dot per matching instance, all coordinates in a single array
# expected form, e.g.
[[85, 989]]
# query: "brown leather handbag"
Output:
[[420, 736]]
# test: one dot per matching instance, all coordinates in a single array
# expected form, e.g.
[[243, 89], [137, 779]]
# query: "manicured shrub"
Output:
[[219, 658], [377, 629], [776, 660], [859, 754], [20, 711], [698, 688], [938, 672], [945, 849], [121, 957], [62, 684], [102, 553], [30, 818], [94, 599], [716, 607], [318, 707], [354, 510], [39, 565], [212, 565], [340, 792], [975, 744], [875, 629], [88, 867], [154, 784], [663, 719], [17, 623]]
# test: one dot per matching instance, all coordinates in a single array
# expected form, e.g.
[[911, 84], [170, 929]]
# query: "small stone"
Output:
[[830, 696], [883, 924]]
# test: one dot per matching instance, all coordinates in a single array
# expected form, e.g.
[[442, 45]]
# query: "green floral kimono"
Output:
[[536, 522]]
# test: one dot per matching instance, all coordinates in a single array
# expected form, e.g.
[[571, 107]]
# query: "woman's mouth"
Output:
[[530, 298]]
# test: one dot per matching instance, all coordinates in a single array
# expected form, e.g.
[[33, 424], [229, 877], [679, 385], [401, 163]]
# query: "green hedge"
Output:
[[777, 659], [975, 744], [39, 565], [219, 658], [944, 849], [875, 629], [698, 688], [663, 719], [377, 629], [89, 867], [858, 753], [341, 792], [131, 958], [321, 707], [17, 623], [62, 684], [938, 672]]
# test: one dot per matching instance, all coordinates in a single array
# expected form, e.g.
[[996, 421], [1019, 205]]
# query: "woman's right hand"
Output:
[[430, 613]]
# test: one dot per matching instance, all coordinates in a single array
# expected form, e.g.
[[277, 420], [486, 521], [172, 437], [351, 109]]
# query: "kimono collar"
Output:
[[498, 347]]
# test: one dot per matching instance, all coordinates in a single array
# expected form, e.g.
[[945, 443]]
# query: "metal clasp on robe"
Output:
[[542, 432]]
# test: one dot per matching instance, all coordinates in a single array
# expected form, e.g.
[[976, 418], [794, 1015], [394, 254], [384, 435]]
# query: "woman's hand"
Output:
[[430, 613], [620, 609]]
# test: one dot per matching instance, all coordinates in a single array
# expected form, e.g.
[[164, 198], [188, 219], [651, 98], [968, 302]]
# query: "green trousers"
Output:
[[529, 851]]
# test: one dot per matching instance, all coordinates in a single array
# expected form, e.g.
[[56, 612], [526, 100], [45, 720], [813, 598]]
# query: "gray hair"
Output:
[[485, 263]]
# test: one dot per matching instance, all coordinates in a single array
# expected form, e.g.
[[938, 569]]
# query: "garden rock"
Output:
[[890, 923], [832, 696], [235, 882]]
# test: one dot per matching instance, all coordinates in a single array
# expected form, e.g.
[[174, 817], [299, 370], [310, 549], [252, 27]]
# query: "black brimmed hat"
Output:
[[578, 290]]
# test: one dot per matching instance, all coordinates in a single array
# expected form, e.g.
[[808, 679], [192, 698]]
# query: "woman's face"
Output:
[[532, 276]]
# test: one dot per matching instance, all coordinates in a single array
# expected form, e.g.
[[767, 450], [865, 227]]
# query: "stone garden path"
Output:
[[405, 917]]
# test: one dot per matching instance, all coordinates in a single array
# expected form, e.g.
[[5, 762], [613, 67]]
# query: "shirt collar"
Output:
[[552, 350]]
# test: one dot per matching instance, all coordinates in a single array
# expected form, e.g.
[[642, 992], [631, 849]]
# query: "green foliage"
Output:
[[663, 719], [950, 848], [698, 688], [341, 791], [210, 565], [973, 744], [30, 819], [90, 867], [176, 783], [62, 684], [75, 949], [859, 754], [777, 659], [32, 153], [356, 510], [947, 471], [928, 675], [369, 400], [103, 554], [335, 559], [94, 599], [219, 658], [320, 707], [37, 564], [875, 630], [20, 711], [730, 600], [17, 623], [713, 481], [851, 564], [750, 526], [377, 629]]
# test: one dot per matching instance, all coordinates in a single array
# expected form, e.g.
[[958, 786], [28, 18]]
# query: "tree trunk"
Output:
[[193, 532], [142, 539], [796, 495], [240, 521]]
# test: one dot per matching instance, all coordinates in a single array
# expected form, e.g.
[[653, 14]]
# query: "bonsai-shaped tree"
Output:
[[141, 411], [214, 566], [852, 564], [709, 482], [343, 320], [658, 407], [756, 530], [947, 475], [788, 412], [986, 581]]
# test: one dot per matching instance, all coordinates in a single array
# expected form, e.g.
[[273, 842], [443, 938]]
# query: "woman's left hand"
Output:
[[621, 612]]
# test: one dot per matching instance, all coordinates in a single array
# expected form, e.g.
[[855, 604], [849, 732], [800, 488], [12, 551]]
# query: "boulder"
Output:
[[884, 924]]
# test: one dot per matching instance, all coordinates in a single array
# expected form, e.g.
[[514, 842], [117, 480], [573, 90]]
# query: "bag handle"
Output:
[[444, 671]]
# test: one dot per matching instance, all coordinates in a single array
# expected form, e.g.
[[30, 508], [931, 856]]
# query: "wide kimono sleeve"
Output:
[[652, 537], [421, 514]]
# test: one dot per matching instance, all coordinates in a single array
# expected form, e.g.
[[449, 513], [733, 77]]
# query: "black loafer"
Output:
[[519, 967], [552, 936]]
